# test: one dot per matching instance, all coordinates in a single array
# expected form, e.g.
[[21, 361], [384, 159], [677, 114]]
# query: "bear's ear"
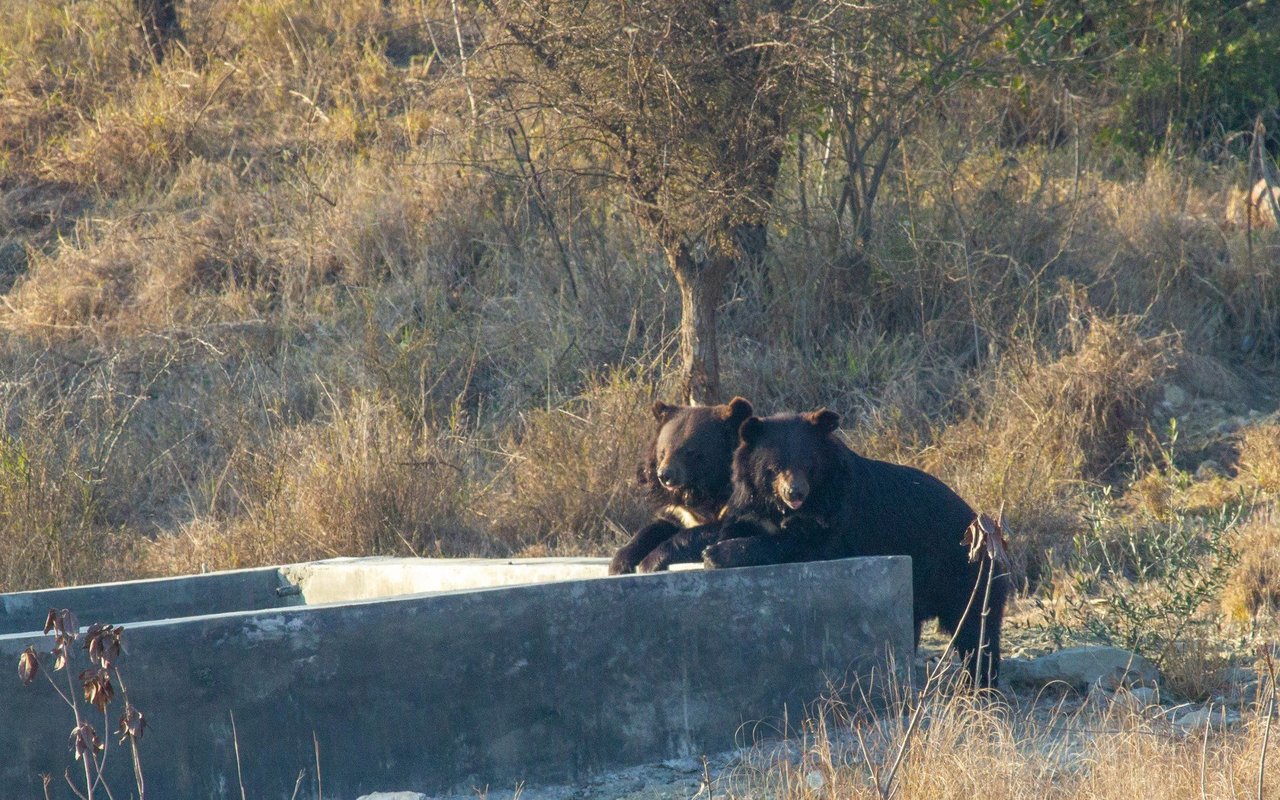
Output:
[[826, 421], [663, 412], [751, 429], [737, 410]]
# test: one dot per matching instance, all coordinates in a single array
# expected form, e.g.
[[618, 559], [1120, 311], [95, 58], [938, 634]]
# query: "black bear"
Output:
[[687, 473], [800, 494]]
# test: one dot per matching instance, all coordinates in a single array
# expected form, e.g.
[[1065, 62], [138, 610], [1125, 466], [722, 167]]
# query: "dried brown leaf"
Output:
[[61, 653], [103, 643], [64, 622], [98, 690], [985, 537], [28, 665], [132, 724], [85, 741]]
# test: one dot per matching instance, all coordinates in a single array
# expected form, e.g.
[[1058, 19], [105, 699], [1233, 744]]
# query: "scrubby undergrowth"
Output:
[[291, 294]]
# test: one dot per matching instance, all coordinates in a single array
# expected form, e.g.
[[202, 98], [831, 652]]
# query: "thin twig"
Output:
[[315, 743], [100, 764], [66, 774], [133, 741], [982, 626], [1204, 753], [886, 790], [541, 201], [235, 743], [209, 100], [462, 59], [1266, 730], [75, 709]]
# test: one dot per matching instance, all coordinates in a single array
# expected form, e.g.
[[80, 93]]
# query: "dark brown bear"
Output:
[[800, 494], [687, 474]]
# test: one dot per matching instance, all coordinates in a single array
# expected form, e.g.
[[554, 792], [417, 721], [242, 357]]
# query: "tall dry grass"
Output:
[[964, 746], [286, 296]]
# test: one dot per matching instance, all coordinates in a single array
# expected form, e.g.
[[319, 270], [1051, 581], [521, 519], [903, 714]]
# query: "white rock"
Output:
[[1145, 695], [1174, 396], [1240, 675], [1208, 470], [1015, 671], [816, 780], [1081, 667], [687, 765], [393, 796], [1216, 717], [1136, 700]]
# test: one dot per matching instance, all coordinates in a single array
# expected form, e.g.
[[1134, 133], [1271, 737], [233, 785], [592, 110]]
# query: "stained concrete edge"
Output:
[[150, 598], [333, 580]]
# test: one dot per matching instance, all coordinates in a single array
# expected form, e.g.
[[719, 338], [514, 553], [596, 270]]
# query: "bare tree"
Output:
[[882, 65], [689, 104]]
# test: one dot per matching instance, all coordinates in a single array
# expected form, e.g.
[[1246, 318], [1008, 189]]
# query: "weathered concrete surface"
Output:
[[330, 581], [159, 598], [541, 683], [348, 579]]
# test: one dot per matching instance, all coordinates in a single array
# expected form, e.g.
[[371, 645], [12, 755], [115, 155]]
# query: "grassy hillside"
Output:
[[307, 289]]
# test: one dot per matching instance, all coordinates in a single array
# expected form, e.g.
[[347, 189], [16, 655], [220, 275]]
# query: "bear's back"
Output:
[[897, 509]]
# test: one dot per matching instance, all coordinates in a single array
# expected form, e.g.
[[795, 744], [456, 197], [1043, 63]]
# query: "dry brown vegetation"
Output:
[[306, 288], [969, 748], [293, 293]]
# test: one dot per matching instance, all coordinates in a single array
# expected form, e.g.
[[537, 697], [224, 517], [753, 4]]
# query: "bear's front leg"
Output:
[[642, 544], [797, 539], [684, 548], [748, 552]]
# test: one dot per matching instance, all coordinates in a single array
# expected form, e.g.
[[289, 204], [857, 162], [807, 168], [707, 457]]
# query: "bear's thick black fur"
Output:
[[687, 473], [800, 494]]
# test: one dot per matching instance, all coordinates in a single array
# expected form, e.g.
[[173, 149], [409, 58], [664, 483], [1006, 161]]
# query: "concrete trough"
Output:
[[310, 583], [474, 674]]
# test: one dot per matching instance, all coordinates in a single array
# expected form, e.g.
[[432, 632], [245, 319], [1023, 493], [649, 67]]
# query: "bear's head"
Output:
[[689, 461], [784, 460]]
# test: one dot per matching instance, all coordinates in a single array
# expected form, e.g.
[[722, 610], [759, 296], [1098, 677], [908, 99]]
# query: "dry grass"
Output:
[[1045, 428], [1260, 456], [1196, 669], [569, 483], [361, 482], [286, 296], [1253, 589], [970, 747]]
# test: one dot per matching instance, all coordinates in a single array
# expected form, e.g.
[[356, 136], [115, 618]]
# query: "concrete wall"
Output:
[[541, 683], [161, 598], [330, 581]]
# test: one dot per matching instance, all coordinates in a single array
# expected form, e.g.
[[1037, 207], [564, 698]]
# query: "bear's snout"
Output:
[[792, 489], [671, 476]]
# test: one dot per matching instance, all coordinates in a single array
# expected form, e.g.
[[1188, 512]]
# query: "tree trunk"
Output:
[[752, 239], [701, 284], [159, 25]]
